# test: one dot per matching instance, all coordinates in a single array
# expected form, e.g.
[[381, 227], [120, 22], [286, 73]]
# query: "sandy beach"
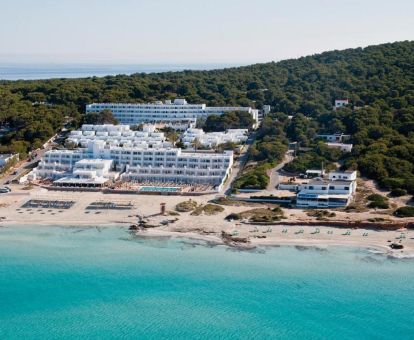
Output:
[[204, 227]]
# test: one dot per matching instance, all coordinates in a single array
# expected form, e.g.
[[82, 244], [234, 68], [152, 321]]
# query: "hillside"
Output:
[[378, 80]]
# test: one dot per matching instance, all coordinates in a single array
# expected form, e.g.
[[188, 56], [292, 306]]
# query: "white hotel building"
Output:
[[337, 191], [98, 163], [210, 139], [178, 114], [118, 135]]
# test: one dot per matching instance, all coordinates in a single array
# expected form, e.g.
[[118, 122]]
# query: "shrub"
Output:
[[379, 205], [208, 209], [376, 198], [397, 192], [407, 211], [186, 206], [212, 209], [378, 201], [254, 178], [233, 216]]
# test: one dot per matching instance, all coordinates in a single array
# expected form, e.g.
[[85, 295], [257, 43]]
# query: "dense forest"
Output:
[[378, 80]]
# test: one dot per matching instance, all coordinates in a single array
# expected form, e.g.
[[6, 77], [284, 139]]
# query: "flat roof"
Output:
[[319, 182]]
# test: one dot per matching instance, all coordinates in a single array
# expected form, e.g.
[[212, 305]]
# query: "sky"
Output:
[[194, 31]]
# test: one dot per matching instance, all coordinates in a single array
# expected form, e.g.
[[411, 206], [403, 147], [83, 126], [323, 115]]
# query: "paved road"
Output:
[[23, 167], [274, 174], [241, 162], [26, 165]]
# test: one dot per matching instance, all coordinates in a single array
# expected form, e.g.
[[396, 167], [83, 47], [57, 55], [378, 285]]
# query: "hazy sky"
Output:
[[194, 31]]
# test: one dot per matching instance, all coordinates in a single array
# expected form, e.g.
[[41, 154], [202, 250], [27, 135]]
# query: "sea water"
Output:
[[26, 71], [90, 283]]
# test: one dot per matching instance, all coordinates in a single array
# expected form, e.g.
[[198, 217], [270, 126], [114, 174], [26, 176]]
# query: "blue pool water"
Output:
[[159, 189], [102, 283]]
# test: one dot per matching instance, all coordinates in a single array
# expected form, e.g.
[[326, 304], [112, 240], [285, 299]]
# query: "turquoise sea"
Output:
[[103, 283]]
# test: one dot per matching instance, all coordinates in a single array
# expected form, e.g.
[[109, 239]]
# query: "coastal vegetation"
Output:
[[378, 201], [321, 214], [186, 206], [197, 210], [259, 215], [207, 209], [103, 117], [318, 156], [268, 150], [397, 192], [378, 80], [228, 120], [407, 211]]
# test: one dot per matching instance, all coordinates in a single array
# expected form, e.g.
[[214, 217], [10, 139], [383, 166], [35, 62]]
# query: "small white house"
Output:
[[337, 191], [342, 175], [341, 146], [339, 103], [334, 138]]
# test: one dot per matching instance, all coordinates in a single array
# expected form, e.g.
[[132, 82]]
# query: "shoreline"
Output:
[[296, 229], [215, 240]]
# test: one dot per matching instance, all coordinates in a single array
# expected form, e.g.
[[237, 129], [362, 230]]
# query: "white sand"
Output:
[[12, 213]]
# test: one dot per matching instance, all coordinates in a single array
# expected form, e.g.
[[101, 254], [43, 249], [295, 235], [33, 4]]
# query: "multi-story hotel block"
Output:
[[177, 114], [99, 162], [117, 135]]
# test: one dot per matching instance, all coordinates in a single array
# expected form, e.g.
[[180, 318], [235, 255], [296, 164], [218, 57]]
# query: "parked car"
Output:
[[4, 190]]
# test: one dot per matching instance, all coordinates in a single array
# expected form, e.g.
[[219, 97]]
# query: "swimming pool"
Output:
[[159, 189]]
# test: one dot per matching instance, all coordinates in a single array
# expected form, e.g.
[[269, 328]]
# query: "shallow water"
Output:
[[103, 283]]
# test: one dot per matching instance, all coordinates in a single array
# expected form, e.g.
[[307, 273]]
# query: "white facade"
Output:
[[266, 110], [89, 172], [117, 135], [315, 173], [163, 112], [341, 146], [337, 191], [138, 164], [341, 103], [335, 138], [210, 139], [342, 175]]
